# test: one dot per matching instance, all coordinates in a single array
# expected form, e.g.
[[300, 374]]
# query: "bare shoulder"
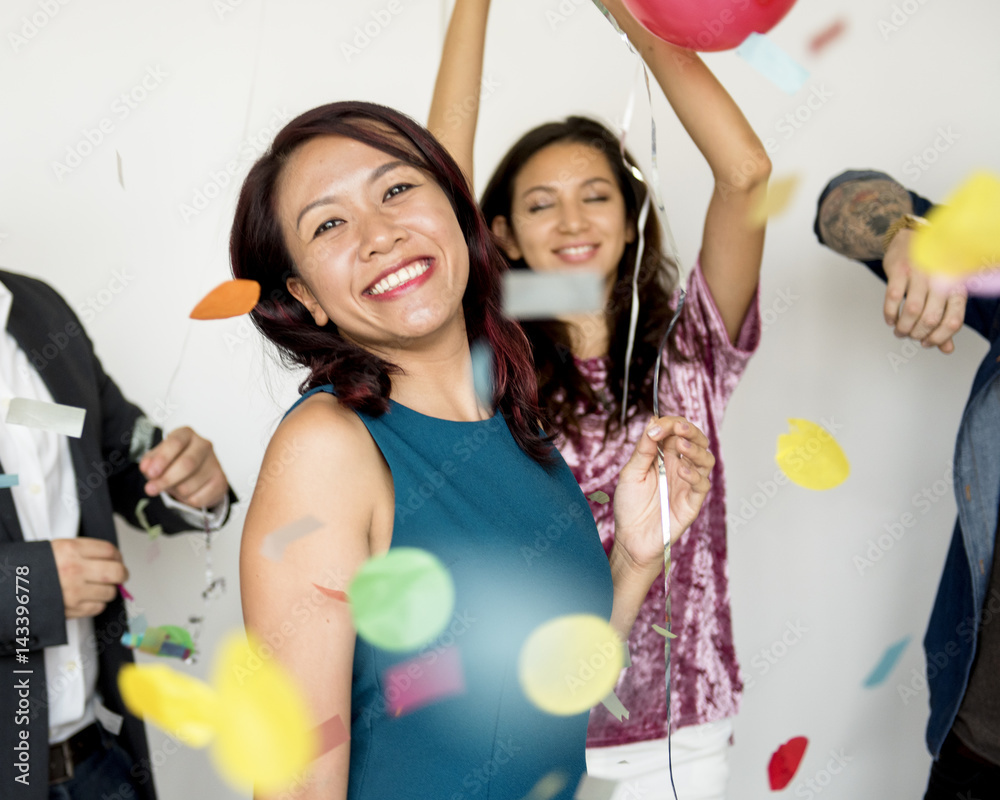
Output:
[[321, 464]]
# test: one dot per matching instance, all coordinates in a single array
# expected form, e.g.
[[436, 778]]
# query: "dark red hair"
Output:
[[361, 379]]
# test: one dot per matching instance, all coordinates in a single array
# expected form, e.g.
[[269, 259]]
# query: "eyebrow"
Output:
[[549, 187], [377, 173]]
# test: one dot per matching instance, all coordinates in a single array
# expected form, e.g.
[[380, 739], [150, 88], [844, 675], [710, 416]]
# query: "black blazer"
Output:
[[106, 481]]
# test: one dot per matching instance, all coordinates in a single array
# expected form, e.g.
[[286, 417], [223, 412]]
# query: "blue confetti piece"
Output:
[[773, 63], [7, 481], [885, 666], [482, 372]]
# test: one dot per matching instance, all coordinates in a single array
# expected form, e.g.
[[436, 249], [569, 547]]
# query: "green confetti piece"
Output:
[[402, 600], [664, 632], [599, 497], [140, 513], [152, 640], [178, 635]]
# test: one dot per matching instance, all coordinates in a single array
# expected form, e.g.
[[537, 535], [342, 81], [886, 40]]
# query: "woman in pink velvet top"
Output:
[[563, 199]]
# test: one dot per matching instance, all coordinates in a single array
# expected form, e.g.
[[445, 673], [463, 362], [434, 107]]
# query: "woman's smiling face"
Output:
[[567, 212], [376, 243]]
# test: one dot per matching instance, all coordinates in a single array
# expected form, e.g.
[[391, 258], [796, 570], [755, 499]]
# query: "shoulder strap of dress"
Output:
[[327, 387]]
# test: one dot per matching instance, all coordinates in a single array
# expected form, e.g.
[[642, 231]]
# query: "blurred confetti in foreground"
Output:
[[773, 199], [417, 683], [773, 63], [961, 242], [570, 664], [253, 715], [545, 295], [401, 600], [274, 544]]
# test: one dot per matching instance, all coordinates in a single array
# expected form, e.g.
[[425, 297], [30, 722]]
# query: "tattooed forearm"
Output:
[[854, 216]]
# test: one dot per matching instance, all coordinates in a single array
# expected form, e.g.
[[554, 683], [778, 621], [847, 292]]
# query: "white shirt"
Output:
[[48, 508]]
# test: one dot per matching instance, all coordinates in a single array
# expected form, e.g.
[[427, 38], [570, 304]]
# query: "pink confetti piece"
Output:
[[831, 32], [124, 592], [331, 734], [414, 684]]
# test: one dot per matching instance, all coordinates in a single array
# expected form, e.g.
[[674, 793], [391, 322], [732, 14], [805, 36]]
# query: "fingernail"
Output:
[[654, 430], [684, 427]]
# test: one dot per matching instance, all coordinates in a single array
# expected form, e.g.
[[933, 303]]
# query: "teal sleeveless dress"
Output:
[[522, 547]]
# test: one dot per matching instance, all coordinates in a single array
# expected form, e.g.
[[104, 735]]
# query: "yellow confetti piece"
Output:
[[229, 299], [254, 715], [570, 664], [963, 236], [181, 705], [811, 457], [266, 735], [773, 200], [599, 497], [548, 787]]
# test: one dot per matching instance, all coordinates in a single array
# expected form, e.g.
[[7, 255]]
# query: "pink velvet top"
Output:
[[705, 675]]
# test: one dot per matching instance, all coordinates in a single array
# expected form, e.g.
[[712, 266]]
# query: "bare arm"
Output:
[[317, 465], [732, 247], [455, 105]]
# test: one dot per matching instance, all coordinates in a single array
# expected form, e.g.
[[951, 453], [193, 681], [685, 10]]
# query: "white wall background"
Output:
[[231, 69]]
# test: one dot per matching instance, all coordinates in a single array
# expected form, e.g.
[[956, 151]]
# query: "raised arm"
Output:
[[732, 247], [455, 105], [317, 465]]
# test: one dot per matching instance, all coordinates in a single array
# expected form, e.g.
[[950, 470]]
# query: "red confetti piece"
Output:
[[124, 592], [827, 35], [785, 762], [336, 594], [332, 733]]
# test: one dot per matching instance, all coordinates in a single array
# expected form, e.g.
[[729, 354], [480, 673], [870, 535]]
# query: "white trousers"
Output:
[[700, 755]]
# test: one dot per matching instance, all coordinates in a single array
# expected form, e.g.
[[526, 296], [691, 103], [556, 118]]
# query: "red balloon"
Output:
[[708, 24]]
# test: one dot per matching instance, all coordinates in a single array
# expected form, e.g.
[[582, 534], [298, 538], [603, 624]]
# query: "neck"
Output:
[[436, 378]]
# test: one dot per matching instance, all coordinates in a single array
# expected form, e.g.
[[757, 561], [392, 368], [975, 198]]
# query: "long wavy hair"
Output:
[[566, 395], [361, 379]]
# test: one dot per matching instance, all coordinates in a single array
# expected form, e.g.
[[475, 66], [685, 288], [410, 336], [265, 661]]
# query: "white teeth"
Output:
[[577, 250], [399, 277]]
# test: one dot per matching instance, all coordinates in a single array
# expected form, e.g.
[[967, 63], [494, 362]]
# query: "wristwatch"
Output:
[[905, 222]]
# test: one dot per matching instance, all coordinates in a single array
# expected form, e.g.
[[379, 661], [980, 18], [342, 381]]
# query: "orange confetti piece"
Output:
[[336, 594], [229, 299]]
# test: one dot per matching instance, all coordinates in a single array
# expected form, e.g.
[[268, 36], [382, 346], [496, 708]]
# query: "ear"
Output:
[[505, 233], [631, 231], [298, 289]]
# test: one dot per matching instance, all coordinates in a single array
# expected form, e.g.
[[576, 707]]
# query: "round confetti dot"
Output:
[[570, 664], [266, 736], [402, 600]]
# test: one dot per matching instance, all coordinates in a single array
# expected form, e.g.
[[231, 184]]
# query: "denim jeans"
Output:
[[99, 776]]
